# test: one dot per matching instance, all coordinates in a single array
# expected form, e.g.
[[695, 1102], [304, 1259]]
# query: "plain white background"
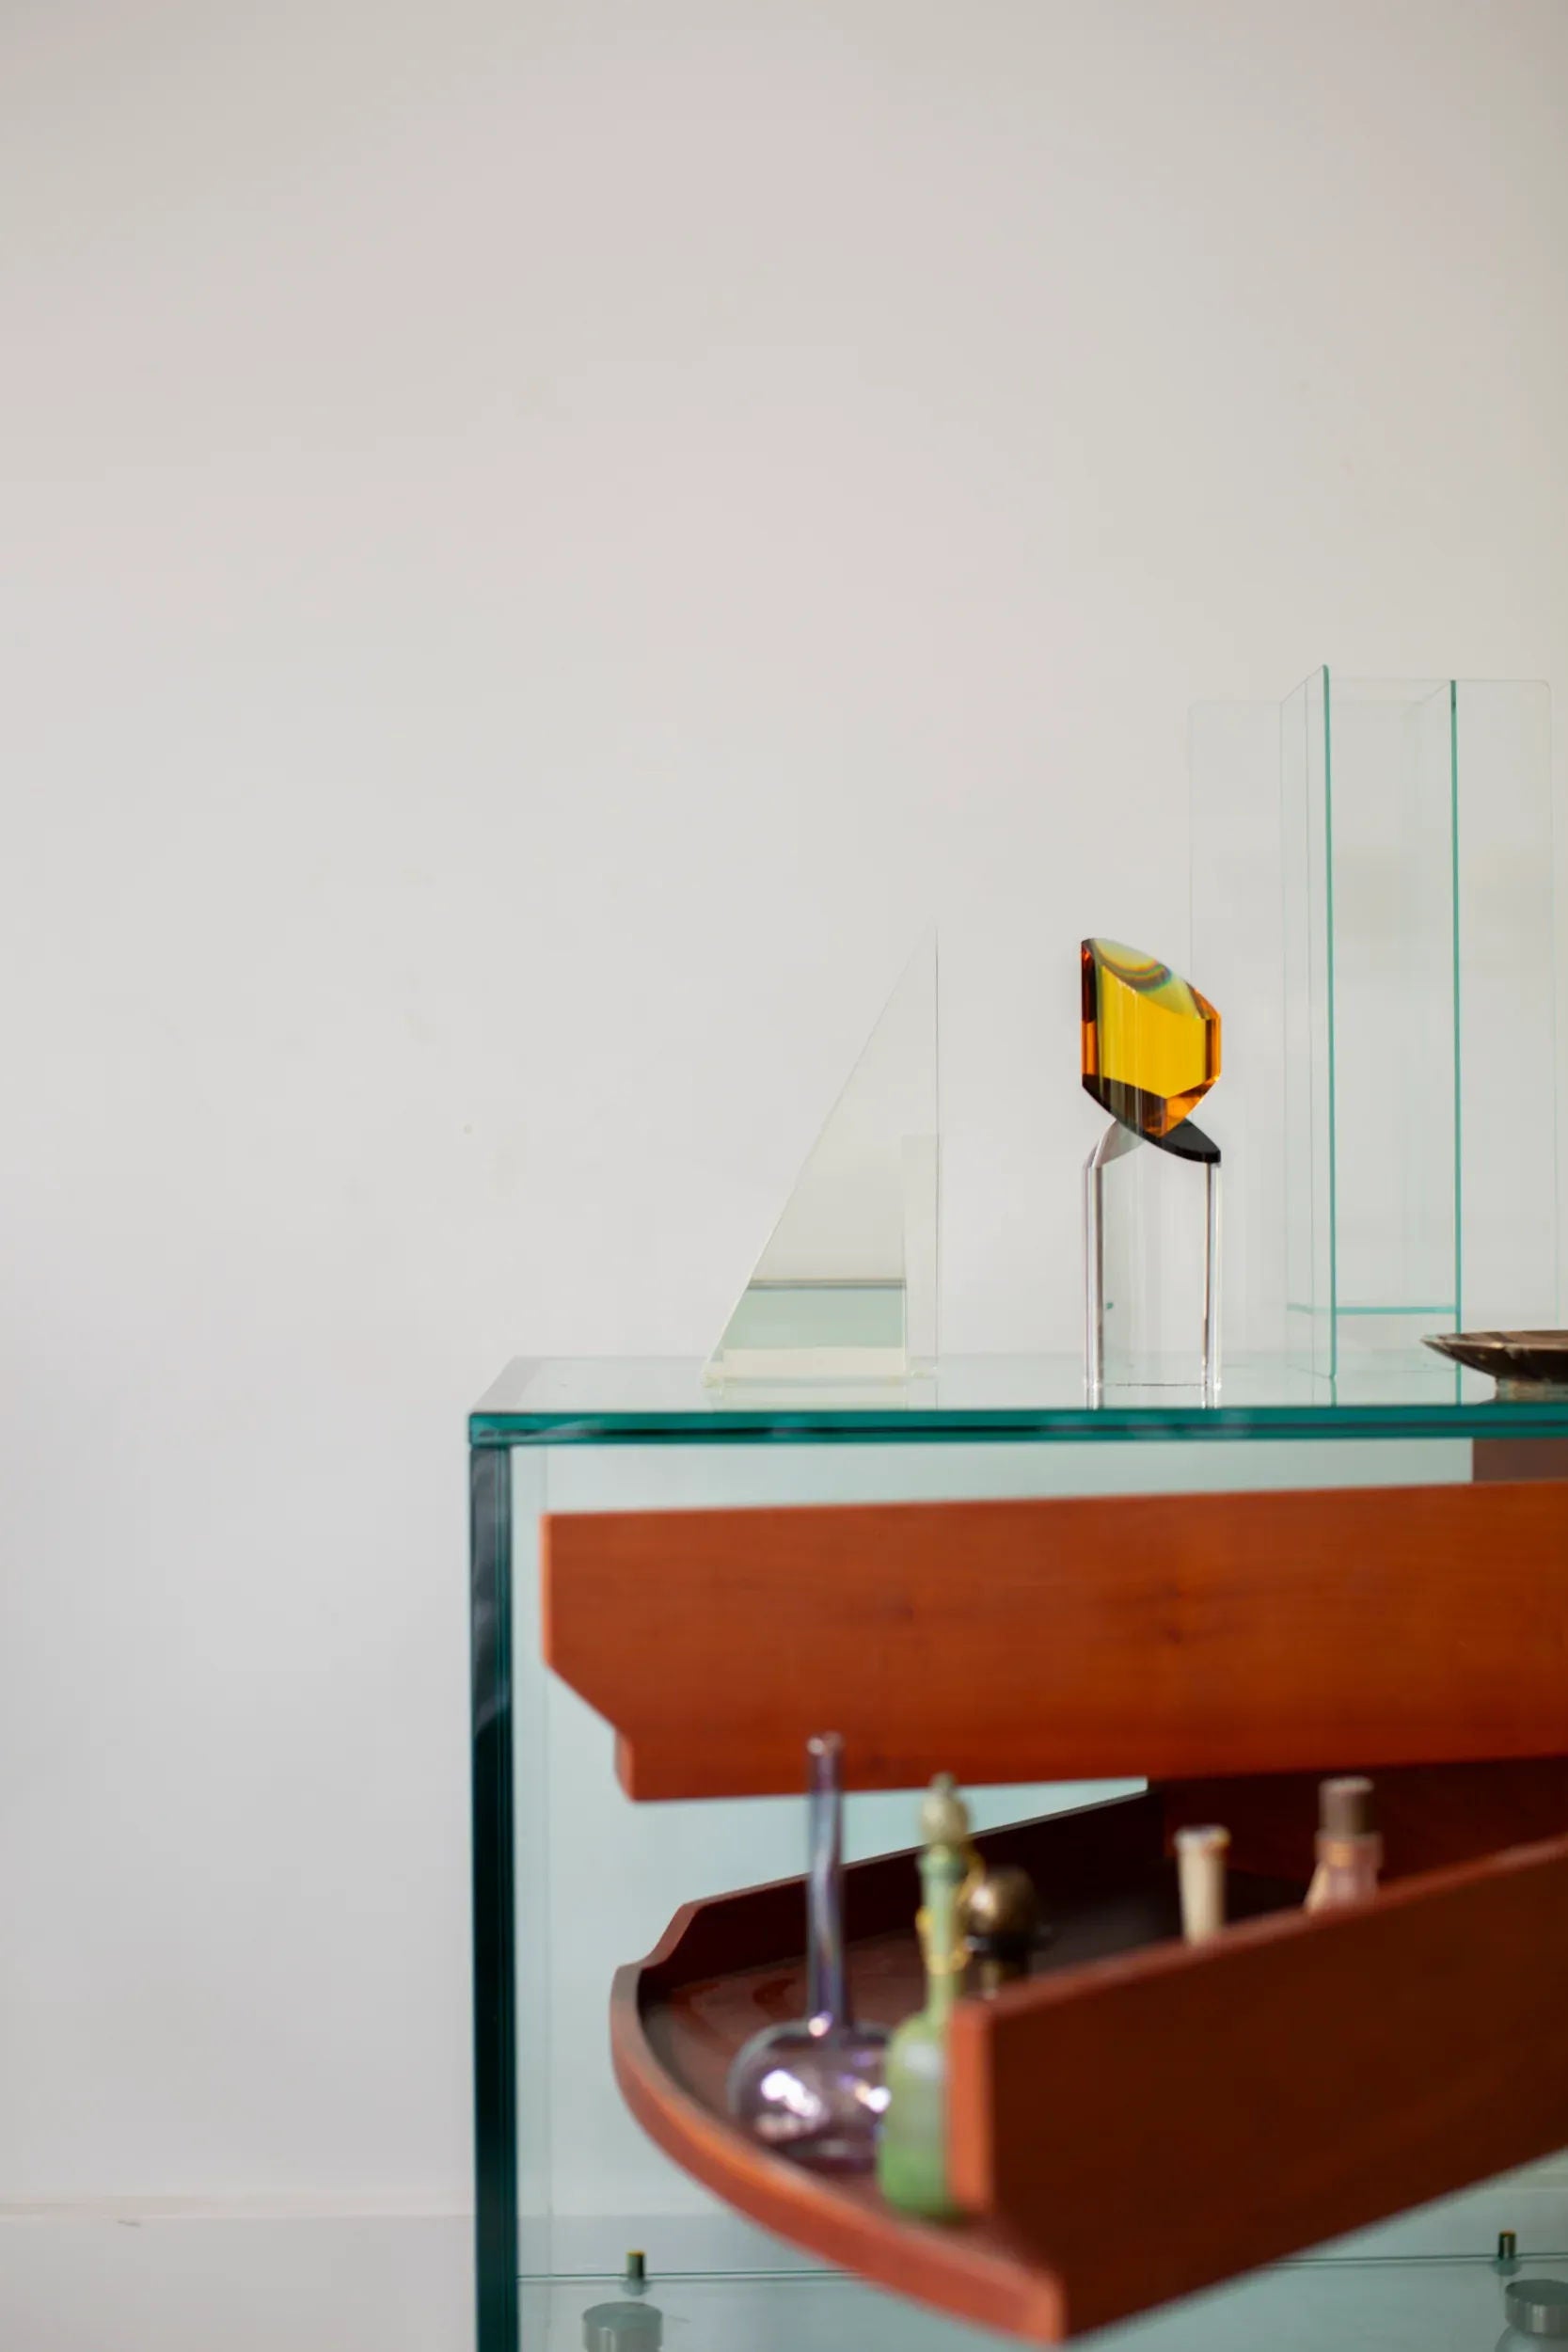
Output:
[[541, 543]]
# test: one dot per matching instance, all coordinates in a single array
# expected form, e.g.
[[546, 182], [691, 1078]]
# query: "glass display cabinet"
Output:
[[571, 1881]]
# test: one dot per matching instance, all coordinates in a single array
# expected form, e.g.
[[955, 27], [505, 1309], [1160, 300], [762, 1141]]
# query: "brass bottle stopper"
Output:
[[945, 1830], [1003, 1920], [943, 1815]]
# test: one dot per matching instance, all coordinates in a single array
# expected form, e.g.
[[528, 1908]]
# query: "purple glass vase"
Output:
[[813, 2089]]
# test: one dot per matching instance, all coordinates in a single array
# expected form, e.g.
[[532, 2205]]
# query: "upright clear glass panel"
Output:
[[1401, 1030], [846, 1286], [1306, 837], [1237, 959], [1390, 806], [1508, 1178]]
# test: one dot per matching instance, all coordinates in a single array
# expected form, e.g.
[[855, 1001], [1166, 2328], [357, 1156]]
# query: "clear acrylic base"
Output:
[[1151, 1248]]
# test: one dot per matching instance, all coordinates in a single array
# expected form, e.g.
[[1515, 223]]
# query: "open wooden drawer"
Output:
[[1141, 2118]]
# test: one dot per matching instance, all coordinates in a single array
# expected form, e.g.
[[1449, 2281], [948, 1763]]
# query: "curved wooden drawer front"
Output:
[[1142, 2119], [1154, 2124]]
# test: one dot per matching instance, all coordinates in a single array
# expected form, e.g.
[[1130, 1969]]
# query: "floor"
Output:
[[235, 2286], [403, 2287]]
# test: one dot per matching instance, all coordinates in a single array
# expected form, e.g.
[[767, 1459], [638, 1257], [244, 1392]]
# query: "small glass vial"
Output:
[[1350, 1852], [812, 2088], [1535, 2308]]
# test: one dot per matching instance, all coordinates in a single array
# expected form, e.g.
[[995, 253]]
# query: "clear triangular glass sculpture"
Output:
[[846, 1287]]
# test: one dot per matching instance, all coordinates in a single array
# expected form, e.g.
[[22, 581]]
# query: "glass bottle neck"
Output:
[[942, 1871], [827, 1978]]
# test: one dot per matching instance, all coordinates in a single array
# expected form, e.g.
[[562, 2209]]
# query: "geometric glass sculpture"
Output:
[[1371, 890], [1151, 1043], [846, 1286], [1151, 1185], [812, 2088]]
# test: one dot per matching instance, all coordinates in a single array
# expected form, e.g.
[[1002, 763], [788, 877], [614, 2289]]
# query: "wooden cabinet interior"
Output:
[[1141, 2118], [733, 1964]]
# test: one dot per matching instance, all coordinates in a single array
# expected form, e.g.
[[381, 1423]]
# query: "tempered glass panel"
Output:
[[1307, 849], [847, 1285], [1390, 807], [992, 1400], [1410, 1010], [1507, 1028], [1415, 2304], [534, 1764], [1237, 959]]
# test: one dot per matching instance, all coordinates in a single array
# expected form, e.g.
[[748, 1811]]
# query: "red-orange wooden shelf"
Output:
[[726, 1968], [1142, 2119]]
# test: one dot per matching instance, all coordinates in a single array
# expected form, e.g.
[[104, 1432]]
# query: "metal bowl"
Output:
[[1523, 1363]]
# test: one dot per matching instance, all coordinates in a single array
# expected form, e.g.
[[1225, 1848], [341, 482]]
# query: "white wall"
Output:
[[540, 545]]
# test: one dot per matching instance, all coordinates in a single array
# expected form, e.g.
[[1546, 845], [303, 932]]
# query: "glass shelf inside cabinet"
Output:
[[1400, 2302], [661, 1400]]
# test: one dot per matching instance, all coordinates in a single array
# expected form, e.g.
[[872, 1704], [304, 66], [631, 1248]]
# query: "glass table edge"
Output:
[[1023, 1424]]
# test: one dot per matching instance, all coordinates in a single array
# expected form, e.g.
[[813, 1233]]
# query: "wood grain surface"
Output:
[[1168, 1636], [727, 1967], [1152, 2124]]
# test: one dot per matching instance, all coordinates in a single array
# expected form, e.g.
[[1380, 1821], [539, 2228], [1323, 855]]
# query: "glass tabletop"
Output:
[[652, 1400]]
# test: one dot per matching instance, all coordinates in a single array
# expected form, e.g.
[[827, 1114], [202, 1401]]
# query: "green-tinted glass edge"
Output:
[[1021, 1424], [1328, 981], [1458, 1096]]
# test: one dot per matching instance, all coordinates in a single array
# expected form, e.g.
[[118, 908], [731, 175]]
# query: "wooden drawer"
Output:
[[1142, 2119]]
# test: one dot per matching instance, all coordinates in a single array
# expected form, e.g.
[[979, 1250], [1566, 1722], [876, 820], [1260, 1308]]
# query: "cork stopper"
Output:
[[1200, 1859], [1345, 1807], [1207, 1838]]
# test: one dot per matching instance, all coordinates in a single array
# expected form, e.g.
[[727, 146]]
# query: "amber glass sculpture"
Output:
[[1151, 1043], [1151, 1051]]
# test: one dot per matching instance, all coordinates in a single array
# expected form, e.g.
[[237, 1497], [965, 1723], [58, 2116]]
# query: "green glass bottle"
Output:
[[911, 2152]]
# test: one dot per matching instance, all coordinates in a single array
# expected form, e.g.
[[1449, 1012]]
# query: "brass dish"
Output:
[[1523, 1363]]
